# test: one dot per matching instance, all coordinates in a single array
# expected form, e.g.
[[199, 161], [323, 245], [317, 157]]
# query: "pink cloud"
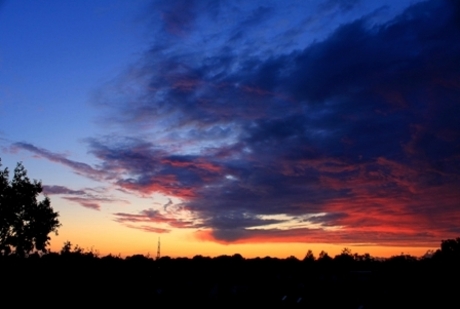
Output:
[[85, 202]]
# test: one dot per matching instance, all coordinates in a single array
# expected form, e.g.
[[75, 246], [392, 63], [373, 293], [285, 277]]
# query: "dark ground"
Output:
[[343, 282]]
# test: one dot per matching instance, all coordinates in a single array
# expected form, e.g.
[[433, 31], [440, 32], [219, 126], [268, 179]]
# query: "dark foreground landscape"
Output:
[[82, 279]]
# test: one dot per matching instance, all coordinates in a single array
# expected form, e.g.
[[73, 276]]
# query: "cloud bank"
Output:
[[266, 134]]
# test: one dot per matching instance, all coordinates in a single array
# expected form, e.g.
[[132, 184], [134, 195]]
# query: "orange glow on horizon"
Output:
[[184, 243]]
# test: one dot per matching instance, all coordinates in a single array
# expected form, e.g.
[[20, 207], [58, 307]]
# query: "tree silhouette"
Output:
[[310, 257], [451, 247], [324, 256], [450, 250], [346, 251], [24, 222]]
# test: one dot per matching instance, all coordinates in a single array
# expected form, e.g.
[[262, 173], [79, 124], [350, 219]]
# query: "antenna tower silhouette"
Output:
[[158, 250]]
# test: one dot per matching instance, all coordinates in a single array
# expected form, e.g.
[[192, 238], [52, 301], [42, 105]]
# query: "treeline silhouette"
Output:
[[80, 277]]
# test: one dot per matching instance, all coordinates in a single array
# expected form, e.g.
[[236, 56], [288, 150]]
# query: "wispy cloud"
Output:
[[85, 202], [85, 197], [149, 229], [78, 167], [154, 216], [61, 190]]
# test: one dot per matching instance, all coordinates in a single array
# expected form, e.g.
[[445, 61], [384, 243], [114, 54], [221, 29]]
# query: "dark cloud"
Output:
[[330, 219], [354, 138], [244, 236], [142, 167], [344, 126], [236, 221]]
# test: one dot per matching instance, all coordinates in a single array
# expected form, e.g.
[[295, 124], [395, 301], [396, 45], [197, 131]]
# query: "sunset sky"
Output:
[[252, 127]]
